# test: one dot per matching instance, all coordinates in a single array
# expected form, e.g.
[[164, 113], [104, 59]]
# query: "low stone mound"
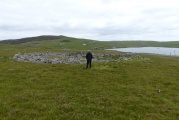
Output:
[[73, 58]]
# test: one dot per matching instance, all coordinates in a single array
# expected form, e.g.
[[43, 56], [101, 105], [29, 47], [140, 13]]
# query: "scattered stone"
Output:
[[73, 58]]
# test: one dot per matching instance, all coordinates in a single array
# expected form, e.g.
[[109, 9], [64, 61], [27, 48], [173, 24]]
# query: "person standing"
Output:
[[89, 58]]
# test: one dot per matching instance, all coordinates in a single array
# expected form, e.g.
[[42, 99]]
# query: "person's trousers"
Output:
[[88, 63]]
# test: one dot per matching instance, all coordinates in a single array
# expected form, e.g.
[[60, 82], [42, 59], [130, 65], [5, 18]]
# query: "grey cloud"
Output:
[[79, 19]]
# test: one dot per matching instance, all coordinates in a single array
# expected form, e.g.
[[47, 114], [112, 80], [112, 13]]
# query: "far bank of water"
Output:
[[151, 50]]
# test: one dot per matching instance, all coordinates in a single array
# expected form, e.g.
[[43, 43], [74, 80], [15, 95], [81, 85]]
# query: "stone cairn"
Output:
[[73, 58]]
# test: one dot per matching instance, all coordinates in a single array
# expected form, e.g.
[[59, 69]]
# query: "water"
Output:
[[151, 50]]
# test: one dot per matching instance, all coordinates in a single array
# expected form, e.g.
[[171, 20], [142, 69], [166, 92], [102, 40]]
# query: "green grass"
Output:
[[91, 44], [141, 90], [63, 42]]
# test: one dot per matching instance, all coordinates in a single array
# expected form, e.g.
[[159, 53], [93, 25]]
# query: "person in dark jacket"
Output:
[[89, 58]]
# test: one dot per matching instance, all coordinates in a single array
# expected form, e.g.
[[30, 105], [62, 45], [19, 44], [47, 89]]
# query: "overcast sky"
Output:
[[92, 19]]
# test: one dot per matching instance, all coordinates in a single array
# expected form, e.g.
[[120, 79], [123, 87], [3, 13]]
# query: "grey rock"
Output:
[[73, 58]]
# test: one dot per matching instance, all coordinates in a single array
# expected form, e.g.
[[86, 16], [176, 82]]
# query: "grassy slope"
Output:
[[90, 44], [63, 42], [124, 90], [140, 44]]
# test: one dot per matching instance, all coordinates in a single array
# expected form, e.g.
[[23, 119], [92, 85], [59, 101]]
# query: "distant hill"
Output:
[[32, 39], [64, 42]]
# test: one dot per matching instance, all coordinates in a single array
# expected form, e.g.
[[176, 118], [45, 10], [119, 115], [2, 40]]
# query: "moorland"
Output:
[[135, 89]]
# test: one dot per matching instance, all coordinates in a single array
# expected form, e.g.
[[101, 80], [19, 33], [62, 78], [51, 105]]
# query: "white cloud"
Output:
[[94, 19]]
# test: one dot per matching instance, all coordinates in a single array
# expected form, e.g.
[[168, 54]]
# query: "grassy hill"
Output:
[[63, 42], [31, 39], [137, 89]]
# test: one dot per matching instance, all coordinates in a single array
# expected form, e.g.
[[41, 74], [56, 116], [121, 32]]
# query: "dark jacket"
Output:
[[89, 56]]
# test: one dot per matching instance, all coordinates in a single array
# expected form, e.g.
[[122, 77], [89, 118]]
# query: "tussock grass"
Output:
[[124, 90]]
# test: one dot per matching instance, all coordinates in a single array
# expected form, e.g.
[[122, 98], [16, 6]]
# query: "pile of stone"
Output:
[[72, 58]]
